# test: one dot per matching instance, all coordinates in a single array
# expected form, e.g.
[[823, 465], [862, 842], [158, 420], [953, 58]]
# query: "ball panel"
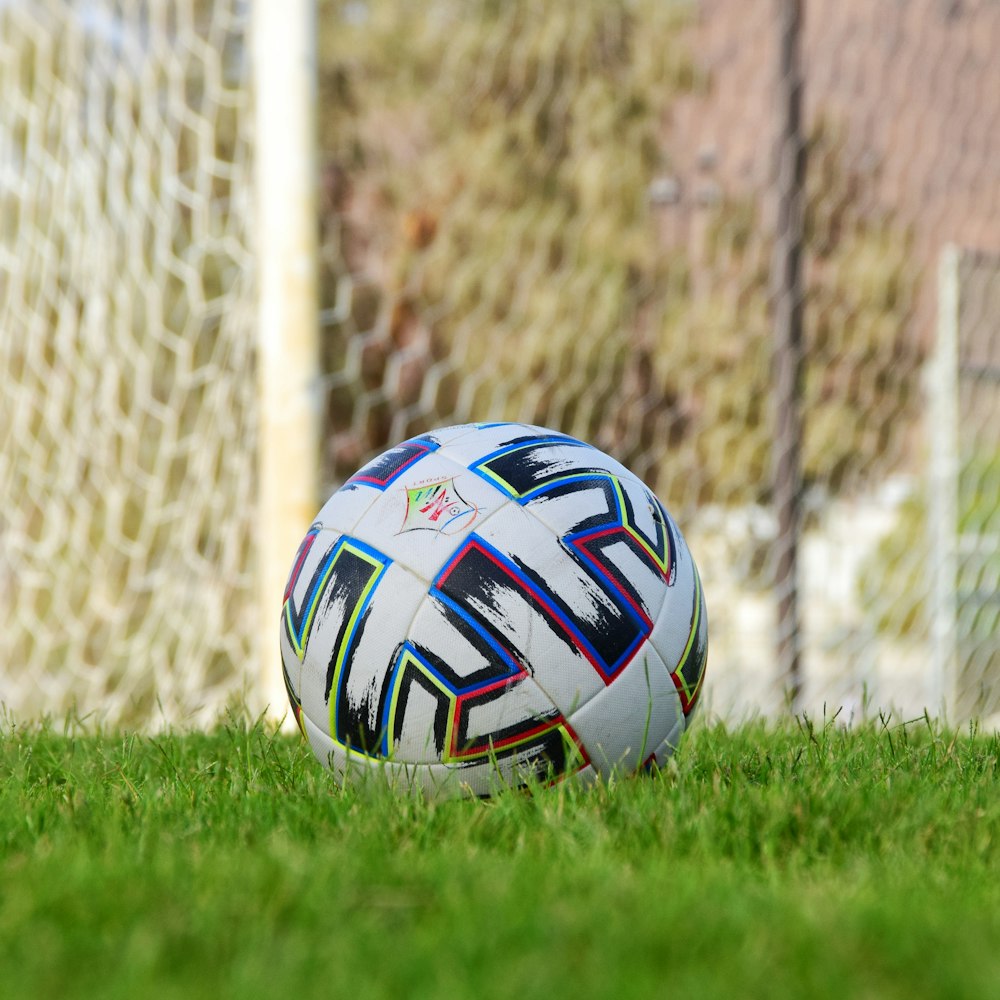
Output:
[[623, 725], [477, 584], [670, 743], [673, 624], [292, 684], [464, 648], [479, 777], [334, 614], [573, 596], [570, 507], [348, 766], [492, 579], [514, 719], [690, 672], [360, 691], [620, 531], [420, 517], [345, 508], [526, 464], [680, 633], [482, 434], [385, 469], [304, 592], [420, 717], [482, 440], [464, 662], [629, 572], [431, 722], [445, 436]]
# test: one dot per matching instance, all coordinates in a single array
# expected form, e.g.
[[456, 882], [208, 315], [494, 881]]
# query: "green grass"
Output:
[[800, 862]]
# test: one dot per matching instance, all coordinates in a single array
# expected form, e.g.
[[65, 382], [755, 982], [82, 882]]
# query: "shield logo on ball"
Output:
[[437, 507]]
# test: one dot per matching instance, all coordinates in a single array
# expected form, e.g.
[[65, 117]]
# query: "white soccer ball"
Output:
[[490, 604]]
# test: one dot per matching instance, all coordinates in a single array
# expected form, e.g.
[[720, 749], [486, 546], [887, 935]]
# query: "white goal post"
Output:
[[964, 529], [284, 59]]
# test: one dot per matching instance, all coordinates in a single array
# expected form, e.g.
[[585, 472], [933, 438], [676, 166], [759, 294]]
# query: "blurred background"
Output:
[[752, 250]]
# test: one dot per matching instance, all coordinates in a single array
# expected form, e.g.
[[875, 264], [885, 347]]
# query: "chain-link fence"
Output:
[[558, 213]]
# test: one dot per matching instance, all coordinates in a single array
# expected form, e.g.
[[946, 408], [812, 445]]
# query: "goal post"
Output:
[[284, 84], [963, 522]]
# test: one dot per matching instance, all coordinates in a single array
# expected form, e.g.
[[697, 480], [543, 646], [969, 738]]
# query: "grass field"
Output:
[[807, 861]]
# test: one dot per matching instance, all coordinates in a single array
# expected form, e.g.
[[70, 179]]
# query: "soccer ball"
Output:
[[489, 605]]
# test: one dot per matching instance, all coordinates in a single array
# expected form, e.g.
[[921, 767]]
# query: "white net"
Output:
[[126, 360]]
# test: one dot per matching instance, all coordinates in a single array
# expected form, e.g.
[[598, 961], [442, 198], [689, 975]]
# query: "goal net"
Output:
[[127, 390]]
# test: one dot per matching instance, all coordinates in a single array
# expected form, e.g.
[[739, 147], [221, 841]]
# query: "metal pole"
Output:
[[284, 60], [787, 303]]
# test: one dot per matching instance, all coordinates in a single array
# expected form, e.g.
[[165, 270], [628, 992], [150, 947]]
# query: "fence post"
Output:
[[284, 74], [787, 304]]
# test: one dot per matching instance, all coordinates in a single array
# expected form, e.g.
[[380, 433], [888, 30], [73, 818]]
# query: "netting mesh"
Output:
[[559, 213], [565, 215], [126, 393]]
